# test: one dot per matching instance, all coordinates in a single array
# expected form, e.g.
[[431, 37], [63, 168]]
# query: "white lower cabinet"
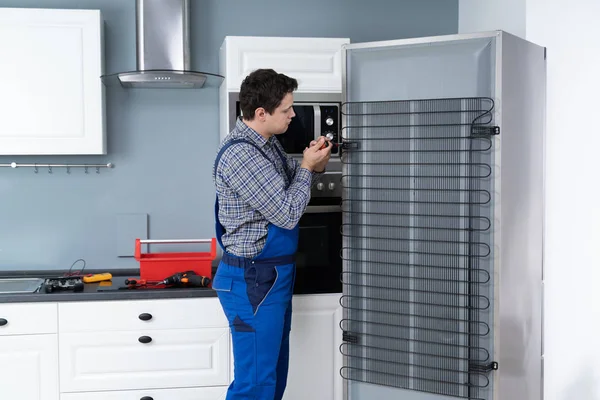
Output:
[[315, 358], [149, 350], [136, 359], [144, 349], [207, 393], [28, 367]]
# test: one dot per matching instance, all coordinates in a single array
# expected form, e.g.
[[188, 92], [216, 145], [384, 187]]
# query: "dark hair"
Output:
[[264, 88]]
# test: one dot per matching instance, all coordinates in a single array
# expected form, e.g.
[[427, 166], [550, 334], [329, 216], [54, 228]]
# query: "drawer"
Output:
[[28, 318], [208, 393], [98, 316], [128, 360]]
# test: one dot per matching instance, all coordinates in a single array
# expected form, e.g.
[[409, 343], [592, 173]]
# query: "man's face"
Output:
[[279, 121]]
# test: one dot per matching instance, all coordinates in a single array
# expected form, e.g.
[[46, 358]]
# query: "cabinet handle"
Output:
[[145, 339], [3, 321], [145, 317], [146, 398]]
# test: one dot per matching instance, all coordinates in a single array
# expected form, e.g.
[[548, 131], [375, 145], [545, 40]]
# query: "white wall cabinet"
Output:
[[52, 97], [315, 62]]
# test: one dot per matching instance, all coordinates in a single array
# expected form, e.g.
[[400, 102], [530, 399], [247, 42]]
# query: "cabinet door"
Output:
[[28, 318], [314, 62], [315, 357], [52, 98], [145, 315], [122, 360], [206, 393], [28, 367]]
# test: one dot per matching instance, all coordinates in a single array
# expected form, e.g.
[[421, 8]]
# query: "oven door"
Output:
[[318, 261]]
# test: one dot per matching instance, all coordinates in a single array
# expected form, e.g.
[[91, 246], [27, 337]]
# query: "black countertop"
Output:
[[91, 293]]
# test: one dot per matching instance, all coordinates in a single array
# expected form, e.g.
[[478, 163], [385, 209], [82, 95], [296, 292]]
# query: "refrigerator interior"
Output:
[[418, 211]]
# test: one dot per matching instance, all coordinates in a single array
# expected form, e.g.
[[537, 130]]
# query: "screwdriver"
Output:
[[329, 136]]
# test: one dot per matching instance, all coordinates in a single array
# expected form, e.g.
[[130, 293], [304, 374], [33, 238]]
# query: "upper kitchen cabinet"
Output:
[[314, 62], [52, 98]]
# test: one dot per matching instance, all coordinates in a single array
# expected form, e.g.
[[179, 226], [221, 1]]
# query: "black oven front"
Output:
[[318, 261]]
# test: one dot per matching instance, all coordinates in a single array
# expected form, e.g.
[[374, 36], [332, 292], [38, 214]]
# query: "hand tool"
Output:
[[133, 283], [329, 137], [186, 279], [90, 278]]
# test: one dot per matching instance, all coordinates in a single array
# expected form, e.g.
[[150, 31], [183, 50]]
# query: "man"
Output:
[[261, 195]]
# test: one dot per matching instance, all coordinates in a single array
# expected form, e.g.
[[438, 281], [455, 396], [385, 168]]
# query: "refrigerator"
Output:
[[443, 166]]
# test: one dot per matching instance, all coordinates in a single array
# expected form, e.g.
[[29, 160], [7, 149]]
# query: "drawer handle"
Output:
[[3, 321], [145, 317], [146, 398], [145, 339]]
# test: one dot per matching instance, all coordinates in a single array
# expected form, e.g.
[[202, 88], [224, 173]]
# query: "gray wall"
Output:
[[162, 142]]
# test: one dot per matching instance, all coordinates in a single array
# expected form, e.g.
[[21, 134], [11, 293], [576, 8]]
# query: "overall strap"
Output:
[[285, 164], [231, 143]]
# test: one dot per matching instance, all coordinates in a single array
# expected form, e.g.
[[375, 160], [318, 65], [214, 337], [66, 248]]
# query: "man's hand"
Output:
[[315, 158]]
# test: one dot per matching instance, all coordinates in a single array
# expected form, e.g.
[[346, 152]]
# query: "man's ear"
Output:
[[260, 113]]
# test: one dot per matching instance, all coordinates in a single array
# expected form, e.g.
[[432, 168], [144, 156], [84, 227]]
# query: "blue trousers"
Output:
[[257, 301]]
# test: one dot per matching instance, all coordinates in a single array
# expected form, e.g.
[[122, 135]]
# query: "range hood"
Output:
[[163, 49]]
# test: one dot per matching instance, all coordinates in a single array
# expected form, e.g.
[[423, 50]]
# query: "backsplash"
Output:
[[163, 142]]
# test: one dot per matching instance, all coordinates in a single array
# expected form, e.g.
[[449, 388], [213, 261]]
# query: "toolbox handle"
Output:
[[139, 242], [154, 241]]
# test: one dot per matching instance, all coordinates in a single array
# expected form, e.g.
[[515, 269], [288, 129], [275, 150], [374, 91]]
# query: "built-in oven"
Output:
[[318, 260]]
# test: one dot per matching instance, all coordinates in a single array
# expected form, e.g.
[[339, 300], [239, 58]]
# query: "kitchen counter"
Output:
[[90, 292]]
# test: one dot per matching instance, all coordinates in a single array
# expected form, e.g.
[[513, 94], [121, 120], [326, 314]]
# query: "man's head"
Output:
[[266, 99]]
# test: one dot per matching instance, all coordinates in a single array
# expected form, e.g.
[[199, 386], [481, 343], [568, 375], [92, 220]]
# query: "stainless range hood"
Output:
[[163, 49]]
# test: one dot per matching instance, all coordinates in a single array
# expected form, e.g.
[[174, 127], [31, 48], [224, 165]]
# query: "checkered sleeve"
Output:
[[255, 179]]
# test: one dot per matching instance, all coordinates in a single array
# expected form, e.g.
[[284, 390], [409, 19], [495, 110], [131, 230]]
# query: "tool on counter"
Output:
[[91, 278], [133, 283], [186, 279], [63, 284]]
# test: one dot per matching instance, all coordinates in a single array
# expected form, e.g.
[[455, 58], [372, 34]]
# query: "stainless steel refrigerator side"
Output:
[[519, 280], [346, 383], [497, 237]]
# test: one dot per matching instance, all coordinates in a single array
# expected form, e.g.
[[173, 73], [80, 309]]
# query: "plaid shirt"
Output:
[[254, 191]]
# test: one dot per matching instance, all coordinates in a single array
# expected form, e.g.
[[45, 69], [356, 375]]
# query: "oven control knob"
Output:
[[331, 185], [320, 186], [329, 121]]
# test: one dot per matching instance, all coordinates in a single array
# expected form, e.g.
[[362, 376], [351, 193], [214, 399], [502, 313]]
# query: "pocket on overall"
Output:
[[260, 279], [222, 283]]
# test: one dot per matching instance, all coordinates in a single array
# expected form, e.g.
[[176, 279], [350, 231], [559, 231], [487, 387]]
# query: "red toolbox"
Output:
[[158, 266]]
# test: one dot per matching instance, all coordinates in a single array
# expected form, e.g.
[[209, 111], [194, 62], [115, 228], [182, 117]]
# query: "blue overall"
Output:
[[256, 295]]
